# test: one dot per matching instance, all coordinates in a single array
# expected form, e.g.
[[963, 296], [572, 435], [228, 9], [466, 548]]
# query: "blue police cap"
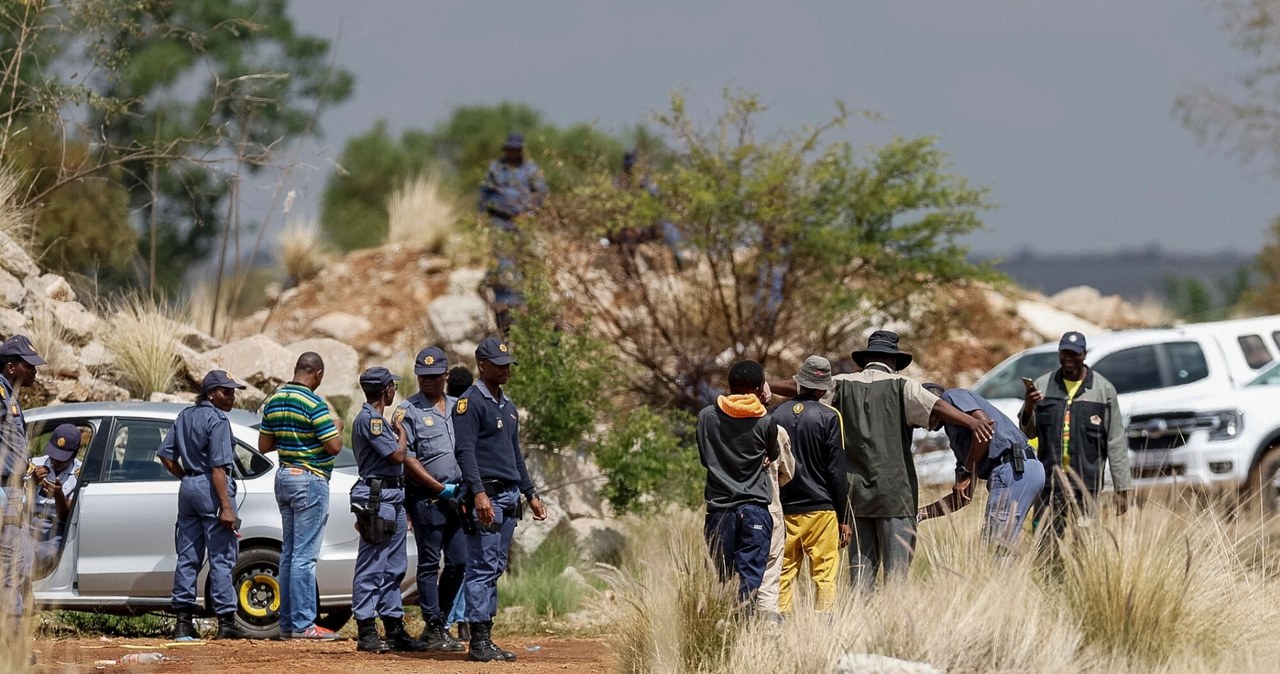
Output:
[[515, 141], [377, 376], [63, 444], [1072, 341], [495, 351], [18, 346], [431, 361], [218, 379]]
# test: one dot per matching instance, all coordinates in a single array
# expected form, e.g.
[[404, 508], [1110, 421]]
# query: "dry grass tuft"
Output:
[[15, 218], [423, 213], [199, 311], [302, 250], [1154, 591], [50, 341], [144, 339]]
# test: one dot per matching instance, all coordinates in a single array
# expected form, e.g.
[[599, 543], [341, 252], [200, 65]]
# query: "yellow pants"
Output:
[[814, 535]]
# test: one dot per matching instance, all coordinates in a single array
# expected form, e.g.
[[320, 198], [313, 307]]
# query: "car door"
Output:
[[127, 516], [60, 578]]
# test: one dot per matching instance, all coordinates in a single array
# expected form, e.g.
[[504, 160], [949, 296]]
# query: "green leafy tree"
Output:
[[650, 460], [794, 246]]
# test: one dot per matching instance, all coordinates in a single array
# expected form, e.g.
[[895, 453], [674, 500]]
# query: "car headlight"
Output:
[[1222, 425]]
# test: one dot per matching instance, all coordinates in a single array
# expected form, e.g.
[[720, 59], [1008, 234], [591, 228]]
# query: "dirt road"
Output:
[[278, 657]]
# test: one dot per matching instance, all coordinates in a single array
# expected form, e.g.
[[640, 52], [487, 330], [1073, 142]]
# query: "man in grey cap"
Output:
[[512, 187], [814, 502], [200, 452], [18, 361], [427, 420]]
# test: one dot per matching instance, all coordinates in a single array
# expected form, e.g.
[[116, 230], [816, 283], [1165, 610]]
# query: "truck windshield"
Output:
[[1006, 380]]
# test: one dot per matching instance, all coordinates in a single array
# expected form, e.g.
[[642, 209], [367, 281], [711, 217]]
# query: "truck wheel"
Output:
[[257, 585], [1263, 484]]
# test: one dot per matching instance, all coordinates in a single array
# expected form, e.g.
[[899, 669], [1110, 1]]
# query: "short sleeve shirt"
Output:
[[429, 435], [44, 514], [374, 441], [301, 424], [199, 440], [1006, 433]]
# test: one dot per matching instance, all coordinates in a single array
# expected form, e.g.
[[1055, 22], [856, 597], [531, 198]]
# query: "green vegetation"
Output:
[[82, 624], [539, 585], [649, 461]]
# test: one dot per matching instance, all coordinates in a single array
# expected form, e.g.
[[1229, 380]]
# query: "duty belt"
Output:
[[387, 482]]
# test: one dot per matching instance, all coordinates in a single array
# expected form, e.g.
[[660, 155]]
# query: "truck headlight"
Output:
[[1222, 425]]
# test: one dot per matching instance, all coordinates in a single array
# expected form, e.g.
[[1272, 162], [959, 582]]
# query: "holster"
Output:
[[1019, 460], [373, 528]]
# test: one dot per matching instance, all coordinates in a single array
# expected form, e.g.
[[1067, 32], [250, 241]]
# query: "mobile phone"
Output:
[[1029, 384]]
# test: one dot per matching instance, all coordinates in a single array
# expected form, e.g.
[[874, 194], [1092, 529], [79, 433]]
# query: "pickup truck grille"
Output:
[[1161, 431]]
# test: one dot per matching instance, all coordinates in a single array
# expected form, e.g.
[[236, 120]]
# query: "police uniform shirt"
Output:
[[45, 508], [200, 440], [13, 433], [488, 440], [374, 439], [429, 435], [1006, 435]]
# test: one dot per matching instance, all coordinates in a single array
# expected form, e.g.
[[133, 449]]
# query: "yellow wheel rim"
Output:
[[246, 588]]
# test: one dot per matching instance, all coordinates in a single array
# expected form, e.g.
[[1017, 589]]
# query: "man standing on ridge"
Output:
[[296, 422], [513, 186]]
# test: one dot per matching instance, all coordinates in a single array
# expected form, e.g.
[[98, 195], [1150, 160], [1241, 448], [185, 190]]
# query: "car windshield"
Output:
[[1269, 376], [1006, 381]]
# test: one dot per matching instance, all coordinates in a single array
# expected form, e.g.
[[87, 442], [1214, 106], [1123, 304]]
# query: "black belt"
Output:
[[387, 482], [1008, 456]]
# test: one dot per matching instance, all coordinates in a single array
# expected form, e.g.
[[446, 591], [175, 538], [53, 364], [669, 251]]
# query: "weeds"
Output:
[[83, 623], [50, 341], [302, 251], [422, 213], [144, 341], [538, 582], [15, 219]]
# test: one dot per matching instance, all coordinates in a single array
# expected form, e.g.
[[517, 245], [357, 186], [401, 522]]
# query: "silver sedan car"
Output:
[[118, 552]]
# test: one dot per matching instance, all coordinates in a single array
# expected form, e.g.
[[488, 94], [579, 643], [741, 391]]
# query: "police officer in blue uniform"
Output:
[[200, 452], [18, 361], [377, 499], [513, 186], [487, 425], [433, 508], [57, 477]]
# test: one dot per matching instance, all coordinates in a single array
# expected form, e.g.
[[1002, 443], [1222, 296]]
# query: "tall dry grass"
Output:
[[423, 213], [144, 338], [1155, 591], [302, 250], [50, 340], [15, 217]]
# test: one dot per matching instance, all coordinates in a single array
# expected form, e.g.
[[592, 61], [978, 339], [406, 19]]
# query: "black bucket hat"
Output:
[[882, 343]]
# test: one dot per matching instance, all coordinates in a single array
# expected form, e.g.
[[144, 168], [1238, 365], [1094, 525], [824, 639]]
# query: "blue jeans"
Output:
[[1011, 496], [303, 498], [738, 539], [487, 550]]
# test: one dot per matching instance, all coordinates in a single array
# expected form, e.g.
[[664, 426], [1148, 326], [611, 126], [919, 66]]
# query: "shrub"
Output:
[[649, 460], [537, 581], [144, 341], [301, 250], [422, 213]]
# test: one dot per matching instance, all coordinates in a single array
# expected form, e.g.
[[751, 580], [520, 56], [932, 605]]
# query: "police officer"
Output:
[[433, 509], [199, 451], [378, 501], [57, 477], [18, 361], [512, 187], [487, 425]]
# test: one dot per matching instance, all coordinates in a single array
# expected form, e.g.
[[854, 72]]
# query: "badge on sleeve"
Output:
[[462, 405], [398, 417], [375, 426]]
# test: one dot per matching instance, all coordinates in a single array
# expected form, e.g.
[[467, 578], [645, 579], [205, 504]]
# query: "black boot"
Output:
[[464, 632], [482, 649], [228, 629], [439, 639], [368, 637], [397, 638], [506, 655], [185, 628]]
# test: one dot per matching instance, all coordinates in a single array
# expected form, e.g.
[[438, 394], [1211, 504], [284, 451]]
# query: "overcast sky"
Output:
[[1063, 109]]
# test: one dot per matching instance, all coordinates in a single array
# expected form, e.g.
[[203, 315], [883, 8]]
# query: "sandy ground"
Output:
[[92, 654]]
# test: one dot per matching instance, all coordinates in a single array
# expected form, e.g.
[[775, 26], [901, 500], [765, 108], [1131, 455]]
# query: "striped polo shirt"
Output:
[[300, 422]]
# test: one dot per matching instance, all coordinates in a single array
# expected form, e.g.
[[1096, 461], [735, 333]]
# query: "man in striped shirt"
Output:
[[296, 423]]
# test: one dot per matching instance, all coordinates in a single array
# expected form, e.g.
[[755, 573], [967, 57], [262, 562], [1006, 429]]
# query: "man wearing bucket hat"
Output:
[[18, 361], [487, 427], [431, 496], [512, 187], [880, 408], [57, 477], [199, 451], [814, 502]]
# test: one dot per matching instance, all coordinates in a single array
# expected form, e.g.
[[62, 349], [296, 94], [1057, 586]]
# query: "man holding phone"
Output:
[[200, 452], [1075, 414]]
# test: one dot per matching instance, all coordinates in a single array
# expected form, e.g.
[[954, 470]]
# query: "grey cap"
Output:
[[815, 374]]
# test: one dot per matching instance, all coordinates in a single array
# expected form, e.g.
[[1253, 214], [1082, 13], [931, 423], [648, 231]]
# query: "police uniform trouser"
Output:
[[198, 532], [815, 535], [487, 551], [375, 588], [1011, 496], [437, 531], [14, 539]]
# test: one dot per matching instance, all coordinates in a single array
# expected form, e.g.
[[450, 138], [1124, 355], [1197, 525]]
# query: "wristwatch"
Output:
[[962, 473]]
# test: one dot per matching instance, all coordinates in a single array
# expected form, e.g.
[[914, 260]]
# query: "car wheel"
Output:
[[257, 585], [1264, 481], [334, 619]]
